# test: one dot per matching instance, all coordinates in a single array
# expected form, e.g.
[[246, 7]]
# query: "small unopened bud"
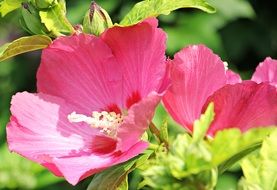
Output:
[[96, 20]]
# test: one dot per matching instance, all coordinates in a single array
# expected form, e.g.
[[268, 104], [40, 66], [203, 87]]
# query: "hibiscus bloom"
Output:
[[96, 96], [200, 77]]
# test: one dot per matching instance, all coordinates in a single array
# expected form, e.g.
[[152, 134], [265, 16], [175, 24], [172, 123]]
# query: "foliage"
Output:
[[24, 44], [7, 6], [116, 177], [154, 8], [260, 168]]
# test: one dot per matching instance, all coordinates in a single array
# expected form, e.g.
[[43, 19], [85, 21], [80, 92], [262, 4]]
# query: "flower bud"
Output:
[[96, 20]]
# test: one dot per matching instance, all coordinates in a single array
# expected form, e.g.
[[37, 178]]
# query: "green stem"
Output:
[[156, 132]]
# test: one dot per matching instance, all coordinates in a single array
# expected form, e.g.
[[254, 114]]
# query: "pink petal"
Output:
[[75, 169], [137, 121], [196, 74], [140, 49], [39, 130], [82, 70], [232, 77], [244, 105], [266, 72]]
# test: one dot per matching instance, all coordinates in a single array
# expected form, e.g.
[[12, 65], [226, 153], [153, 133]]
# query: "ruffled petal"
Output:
[[75, 169], [82, 70], [137, 121], [232, 77], [39, 130], [266, 72], [140, 50], [244, 105], [196, 74]]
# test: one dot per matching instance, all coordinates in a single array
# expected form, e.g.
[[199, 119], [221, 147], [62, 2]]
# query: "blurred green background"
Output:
[[242, 32]]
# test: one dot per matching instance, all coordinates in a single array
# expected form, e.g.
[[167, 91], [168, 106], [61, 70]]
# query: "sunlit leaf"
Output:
[[115, 177], [201, 126], [24, 44], [260, 169], [7, 6], [154, 8], [55, 21], [231, 145]]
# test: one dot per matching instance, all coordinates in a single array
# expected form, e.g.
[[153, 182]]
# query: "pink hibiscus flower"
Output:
[[96, 96], [200, 77]]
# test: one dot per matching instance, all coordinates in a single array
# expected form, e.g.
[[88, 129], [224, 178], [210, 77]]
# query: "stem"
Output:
[[156, 132]]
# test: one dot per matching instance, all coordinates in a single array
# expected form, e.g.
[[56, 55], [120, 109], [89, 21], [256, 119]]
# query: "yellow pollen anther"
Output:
[[107, 122]]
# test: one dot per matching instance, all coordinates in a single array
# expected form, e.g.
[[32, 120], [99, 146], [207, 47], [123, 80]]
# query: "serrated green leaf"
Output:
[[260, 169], [7, 6], [231, 145], [154, 8], [24, 44], [113, 177], [201, 126], [55, 21]]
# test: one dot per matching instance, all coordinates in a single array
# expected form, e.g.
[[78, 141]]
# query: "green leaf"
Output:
[[260, 169], [7, 6], [231, 145], [201, 126], [154, 8], [24, 44], [55, 21], [31, 20], [115, 177]]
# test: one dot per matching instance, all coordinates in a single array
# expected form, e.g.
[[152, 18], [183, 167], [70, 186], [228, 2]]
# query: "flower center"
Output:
[[107, 122]]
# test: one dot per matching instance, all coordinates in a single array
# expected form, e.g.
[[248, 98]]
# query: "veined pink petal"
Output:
[[82, 70], [140, 50], [39, 130], [244, 105], [266, 72], [75, 169], [137, 121], [196, 74], [232, 77]]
